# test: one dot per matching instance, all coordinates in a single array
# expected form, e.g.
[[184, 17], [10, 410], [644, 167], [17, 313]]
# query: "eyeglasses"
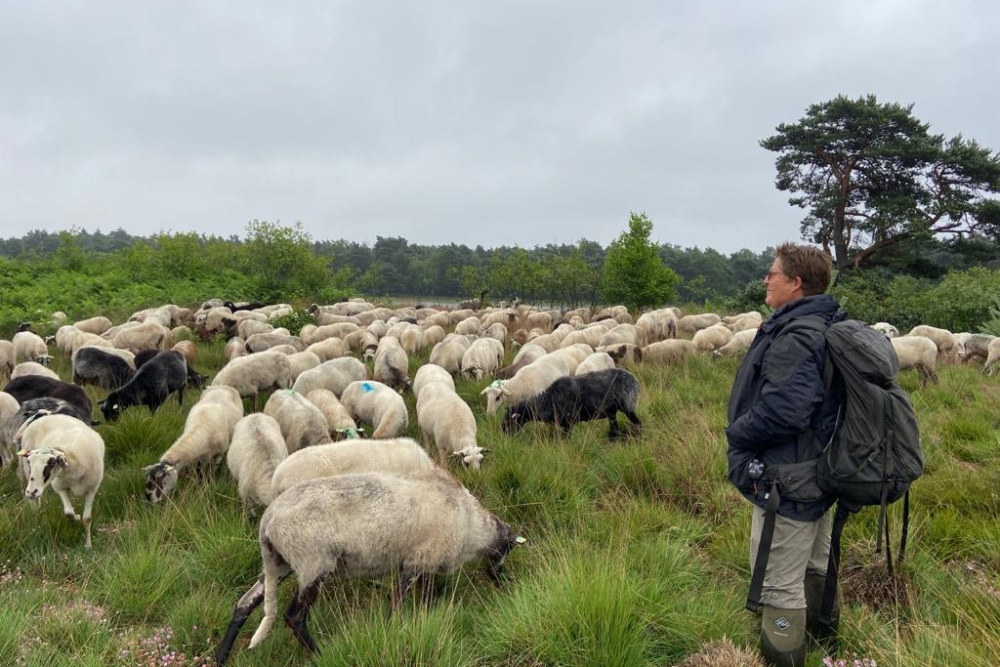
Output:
[[772, 274]]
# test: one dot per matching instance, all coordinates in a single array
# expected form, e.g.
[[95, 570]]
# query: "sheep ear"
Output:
[[61, 461], [486, 390], [505, 391]]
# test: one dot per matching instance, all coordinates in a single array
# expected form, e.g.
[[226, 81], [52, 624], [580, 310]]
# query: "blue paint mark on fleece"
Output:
[[366, 386]]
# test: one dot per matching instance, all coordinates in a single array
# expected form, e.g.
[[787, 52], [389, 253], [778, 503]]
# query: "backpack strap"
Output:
[[833, 565], [906, 527], [764, 548]]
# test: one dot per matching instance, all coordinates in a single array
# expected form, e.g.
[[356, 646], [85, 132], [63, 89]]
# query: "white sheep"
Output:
[[917, 352], [376, 404], [484, 356], [433, 335], [29, 346], [598, 361], [448, 420], [365, 525], [992, 355], [362, 342], [302, 424], [331, 348], [235, 348], [448, 353], [712, 338], [529, 381], [391, 363], [207, 433], [63, 451], [667, 351], [411, 339], [255, 373], [334, 375], [95, 325], [302, 361], [8, 358], [145, 336], [887, 329], [689, 324], [261, 342], [339, 422], [33, 368], [8, 409], [249, 327], [429, 374], [739, 344], [943, 339], [401, 456], [471, 325], [255, 452]]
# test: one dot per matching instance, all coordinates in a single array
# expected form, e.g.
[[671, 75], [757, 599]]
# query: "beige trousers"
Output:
[[798, 547]]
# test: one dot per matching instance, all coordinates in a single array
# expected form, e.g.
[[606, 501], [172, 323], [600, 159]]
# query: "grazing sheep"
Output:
[[391, 364], [94, 325], [339, 422], [207, 433], [448, 353], [712, 338], [738, 345], [255, 452], [623, 333], [530, 381], [8, 409], [364, 525], [448, 420], [992, 356], [411, 339], [569, 400], [887, 329], [262, 342], [361, 341], [331, 348], [188, 349], [163, 375], [667, 351], [29, 346], [376, 404], [430, 374], [105, 367], [917, 352], [689, 324], [743, 321], [484, 356], [30, 410], [977, 345], [235, 348], [67, 454], [26, 368], [248, 327], [399, 456], [8, 357], [256, 373], [471, 325], [623, 353], [528, 354], [334, 375], [194, 378], [35, 386], [302, 362], [145, 336], [943, 339], [433, 335], [598, 361], [302, 424]]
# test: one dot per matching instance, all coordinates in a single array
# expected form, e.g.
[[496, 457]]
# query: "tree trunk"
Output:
[[839, 240]]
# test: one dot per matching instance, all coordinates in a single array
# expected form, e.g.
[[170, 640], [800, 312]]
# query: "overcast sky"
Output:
[[493, 123]]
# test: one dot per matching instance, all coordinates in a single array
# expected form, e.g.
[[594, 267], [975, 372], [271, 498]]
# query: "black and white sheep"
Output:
[[164, 374], [577, 398], [365, 525]]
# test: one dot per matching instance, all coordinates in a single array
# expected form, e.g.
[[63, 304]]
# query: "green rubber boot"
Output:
[[783, 636], [824, 635]]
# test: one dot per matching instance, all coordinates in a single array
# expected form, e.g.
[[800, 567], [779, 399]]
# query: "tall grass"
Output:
[[636, 553]]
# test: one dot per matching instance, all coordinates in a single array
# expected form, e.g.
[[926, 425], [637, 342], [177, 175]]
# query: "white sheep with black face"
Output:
[[529, 381], [207, 433], [483, 357], [29, 346], [448, 420], [62, 452], [366, 525]]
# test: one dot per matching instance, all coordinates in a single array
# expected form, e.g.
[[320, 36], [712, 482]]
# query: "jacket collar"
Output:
[[819, 304]]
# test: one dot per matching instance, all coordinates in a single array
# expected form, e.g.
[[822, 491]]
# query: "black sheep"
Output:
[[578, 398], [195, 379], [155, 380], [27, 387], [30, 410], [93, 365]]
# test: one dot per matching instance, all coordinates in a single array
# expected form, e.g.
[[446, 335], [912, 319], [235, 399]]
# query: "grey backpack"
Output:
[[874, 454]]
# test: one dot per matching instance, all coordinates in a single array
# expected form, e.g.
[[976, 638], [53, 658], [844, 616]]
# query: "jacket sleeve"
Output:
[[791, 392]]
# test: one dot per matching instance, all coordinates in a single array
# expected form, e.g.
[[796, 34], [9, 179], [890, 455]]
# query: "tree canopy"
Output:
[[634, 274], [871, 175]]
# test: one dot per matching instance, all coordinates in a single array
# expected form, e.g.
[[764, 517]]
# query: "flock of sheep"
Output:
[[333, 500]]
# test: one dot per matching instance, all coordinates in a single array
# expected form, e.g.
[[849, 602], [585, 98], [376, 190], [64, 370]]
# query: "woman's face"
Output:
[[780, 288]]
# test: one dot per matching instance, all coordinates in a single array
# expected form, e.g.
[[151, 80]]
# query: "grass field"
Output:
[[636, 553]]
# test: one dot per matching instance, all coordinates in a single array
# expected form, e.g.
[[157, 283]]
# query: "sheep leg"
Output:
[[613, 432], [400, 589], [298, 613], [180, 395], [635, 425], [67, 504], [244, 607], [88, 505]]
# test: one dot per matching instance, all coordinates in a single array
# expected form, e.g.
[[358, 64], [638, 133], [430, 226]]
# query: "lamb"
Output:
[[376, 404], [448, 353], [29, 346], [334, 375], [399, 456], [108, 368], [392, 364], [484, 356], [689, 324], [712, 338], [430, 374], [917, 352], [8, 357], [667, 351], [339, 422], [301, 422], [255, 452], [598, 361], [448, 420], [530, 381], [69, 455], [163, 375], [26, 368], [569, 400], [364, 525], [738, 345], [257, 373], [207, 433]]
